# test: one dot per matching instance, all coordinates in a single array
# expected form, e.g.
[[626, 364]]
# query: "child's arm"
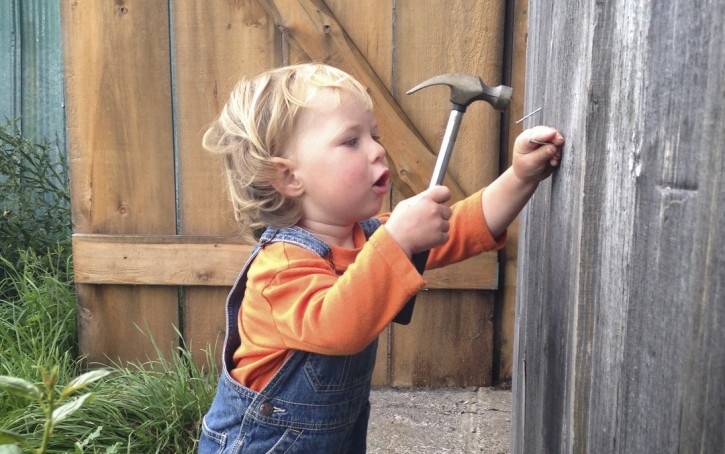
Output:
[[420, 223], [507, 195]]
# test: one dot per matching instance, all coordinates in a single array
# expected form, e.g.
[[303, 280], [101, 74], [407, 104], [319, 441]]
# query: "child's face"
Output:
[[338, 160]]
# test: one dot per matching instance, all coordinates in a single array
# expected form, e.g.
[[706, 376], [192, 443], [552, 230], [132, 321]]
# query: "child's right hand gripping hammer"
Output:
[[465, 89]]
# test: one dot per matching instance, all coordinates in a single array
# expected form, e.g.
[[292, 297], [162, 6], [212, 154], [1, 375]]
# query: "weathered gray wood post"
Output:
[[621, 280]]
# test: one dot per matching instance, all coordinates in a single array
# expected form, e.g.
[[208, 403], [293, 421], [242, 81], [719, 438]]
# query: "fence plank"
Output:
[[214, 261], [457, 36], [507, 309], [620, 303], [215, 44], [134, 260], [121, 154]]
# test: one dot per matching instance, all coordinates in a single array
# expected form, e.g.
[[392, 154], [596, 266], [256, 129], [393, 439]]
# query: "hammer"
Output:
[[465, 89]]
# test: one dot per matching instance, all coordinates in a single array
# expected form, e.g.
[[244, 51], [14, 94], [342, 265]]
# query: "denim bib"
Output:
[[314, 403]]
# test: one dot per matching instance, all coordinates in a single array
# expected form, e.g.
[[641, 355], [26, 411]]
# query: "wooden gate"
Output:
[[154, 244], [621, 346]]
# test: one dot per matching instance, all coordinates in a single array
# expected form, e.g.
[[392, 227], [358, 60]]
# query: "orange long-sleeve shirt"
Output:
[[295, 300]]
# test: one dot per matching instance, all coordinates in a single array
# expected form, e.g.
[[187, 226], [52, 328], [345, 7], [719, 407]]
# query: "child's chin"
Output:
[[371, 213], [378, 211]]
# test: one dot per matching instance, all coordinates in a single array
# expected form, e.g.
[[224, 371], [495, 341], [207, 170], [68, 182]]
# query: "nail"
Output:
[[528, 115], [540, 142]]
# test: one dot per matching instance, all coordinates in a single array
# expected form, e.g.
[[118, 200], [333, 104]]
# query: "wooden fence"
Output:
[[621, 346], [154, 244]]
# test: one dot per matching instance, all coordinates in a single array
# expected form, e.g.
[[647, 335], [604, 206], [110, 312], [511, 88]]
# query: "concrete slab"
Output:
[[448, 420]]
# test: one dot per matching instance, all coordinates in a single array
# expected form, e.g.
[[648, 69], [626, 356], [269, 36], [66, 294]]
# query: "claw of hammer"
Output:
[[467, 88]]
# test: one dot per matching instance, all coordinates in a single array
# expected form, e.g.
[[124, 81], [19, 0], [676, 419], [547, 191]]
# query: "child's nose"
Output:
[[378, 152]]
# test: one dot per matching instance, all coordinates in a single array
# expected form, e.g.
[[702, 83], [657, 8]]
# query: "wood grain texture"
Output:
[[215, 44], [214, 261], [118, 92], [449, 342], [621, 263], [444, 37], [134, 260], [372, 37], [118, 88], [176, 82]]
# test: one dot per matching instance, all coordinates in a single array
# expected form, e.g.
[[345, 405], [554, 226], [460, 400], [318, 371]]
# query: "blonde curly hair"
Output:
[[254, 127]]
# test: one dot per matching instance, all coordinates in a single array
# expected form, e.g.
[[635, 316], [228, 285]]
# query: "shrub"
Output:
[[34, 196]]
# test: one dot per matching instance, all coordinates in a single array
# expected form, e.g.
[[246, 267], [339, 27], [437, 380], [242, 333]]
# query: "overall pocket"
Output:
[[211, 441], [327, 373], [221, 426]]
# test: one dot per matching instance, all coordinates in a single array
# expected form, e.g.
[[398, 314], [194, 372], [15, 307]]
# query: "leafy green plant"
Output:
[[56, 406]]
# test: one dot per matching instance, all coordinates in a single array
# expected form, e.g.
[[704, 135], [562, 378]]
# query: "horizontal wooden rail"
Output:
[[216, 261]]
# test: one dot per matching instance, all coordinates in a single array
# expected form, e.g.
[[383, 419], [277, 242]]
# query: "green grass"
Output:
[[37, 319], [139, 408], [149, 407], [154, 407]]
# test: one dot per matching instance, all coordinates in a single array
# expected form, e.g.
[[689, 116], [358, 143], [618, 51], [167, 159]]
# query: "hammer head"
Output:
[[467, 88]]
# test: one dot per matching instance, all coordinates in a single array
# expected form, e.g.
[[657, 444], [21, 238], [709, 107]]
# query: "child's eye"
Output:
[[351, 142], [377, 138]]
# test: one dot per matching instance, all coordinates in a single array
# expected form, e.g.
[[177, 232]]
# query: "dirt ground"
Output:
[[449, 420]]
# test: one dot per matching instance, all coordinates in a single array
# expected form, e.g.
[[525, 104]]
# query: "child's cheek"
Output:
[[351, 176]]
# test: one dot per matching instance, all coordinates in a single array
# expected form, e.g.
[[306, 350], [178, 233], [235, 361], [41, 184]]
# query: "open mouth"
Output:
[[382, 182]]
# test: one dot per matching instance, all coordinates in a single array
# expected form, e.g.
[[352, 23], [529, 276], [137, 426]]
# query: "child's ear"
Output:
[[286, 182]]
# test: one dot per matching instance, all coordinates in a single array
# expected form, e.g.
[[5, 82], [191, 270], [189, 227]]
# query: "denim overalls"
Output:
[[314, 404]]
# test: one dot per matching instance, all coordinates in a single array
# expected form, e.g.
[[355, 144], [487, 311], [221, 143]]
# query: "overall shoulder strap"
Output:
[[297, 236], [294, 235], [370, 225]]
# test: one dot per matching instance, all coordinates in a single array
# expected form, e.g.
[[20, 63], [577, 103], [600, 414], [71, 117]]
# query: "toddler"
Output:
[[308, 176]]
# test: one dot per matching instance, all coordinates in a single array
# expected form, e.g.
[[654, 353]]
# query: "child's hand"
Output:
[[420, 223], [533, 162]]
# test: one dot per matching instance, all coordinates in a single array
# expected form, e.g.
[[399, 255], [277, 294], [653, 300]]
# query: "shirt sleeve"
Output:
[[316, 310], [312, 308], [468, 235]]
